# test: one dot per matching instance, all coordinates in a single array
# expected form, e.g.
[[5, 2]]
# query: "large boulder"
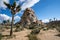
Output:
[[29, 18]]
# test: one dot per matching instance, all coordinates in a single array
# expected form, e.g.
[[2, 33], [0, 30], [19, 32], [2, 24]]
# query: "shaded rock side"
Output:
[[29, 18]]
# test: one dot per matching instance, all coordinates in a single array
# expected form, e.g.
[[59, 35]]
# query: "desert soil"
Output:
[[43, 35], [48, 35]]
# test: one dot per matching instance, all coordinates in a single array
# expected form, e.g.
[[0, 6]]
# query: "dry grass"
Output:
[[43, 35]]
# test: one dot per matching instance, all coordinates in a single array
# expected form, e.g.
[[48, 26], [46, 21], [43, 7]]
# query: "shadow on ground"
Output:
[[8, 36], [58, 35]]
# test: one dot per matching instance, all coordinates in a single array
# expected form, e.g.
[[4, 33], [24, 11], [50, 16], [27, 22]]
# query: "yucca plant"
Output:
[[14, 9]]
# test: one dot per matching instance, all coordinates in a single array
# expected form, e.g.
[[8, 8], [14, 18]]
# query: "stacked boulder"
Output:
[[29, 19]]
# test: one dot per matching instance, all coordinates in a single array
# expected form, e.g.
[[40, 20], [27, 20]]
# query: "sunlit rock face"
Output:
[[29, 18]]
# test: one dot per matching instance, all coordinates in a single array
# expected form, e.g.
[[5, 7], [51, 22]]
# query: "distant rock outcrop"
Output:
[[29, 18]]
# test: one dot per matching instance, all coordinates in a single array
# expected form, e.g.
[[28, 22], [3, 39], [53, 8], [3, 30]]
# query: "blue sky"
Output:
[[44, 9], [47, 9]]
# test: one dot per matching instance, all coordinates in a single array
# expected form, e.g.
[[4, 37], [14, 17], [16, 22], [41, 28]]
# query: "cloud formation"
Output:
[[2, 3], [22, 0], [6, 17], [45, 20], [28, 3], [25, 3], [17, 18]]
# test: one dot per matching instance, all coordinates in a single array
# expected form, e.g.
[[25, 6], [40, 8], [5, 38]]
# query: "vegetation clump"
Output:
[[18, 28], [32, 37], [0, 36], [35, 31]]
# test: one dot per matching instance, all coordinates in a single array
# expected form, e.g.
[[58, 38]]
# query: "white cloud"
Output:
[[4, 17], [2, 3], [28, 3], [17, 18], [58, 18], [45, 20], [22, 0]]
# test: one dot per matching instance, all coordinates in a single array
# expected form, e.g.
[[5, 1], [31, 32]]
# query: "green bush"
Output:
[[35, 31], [44, 29], [18, 28], [32, 37], [31, 27]]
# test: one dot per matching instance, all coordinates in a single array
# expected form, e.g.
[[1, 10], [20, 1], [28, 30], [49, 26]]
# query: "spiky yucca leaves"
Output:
[[8, 5], [14, 9]]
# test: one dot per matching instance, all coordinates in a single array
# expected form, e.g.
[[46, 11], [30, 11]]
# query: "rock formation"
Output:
[[29, 18]]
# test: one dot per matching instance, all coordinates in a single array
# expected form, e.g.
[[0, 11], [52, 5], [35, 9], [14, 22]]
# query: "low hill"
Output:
[[54, 24]]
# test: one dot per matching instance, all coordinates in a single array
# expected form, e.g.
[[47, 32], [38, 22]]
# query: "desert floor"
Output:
[[43, 35]]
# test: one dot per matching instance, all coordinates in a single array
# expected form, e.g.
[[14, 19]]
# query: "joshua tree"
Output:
[[54, 19], [8, 21], [4, 21], [14, 9], [50, 20]]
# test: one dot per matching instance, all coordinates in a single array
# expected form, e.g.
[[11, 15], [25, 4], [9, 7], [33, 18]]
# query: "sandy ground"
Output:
[[18, 35], [43, 35], [48, 35]]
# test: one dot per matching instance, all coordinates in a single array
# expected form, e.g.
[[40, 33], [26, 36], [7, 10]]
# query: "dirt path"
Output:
[[48, 35]]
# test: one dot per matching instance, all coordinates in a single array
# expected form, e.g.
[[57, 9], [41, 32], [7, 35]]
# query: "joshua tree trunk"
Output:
[[11, 31], [14, 10]]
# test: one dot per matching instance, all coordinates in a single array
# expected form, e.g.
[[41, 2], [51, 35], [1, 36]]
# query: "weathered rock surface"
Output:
[[29, 18]]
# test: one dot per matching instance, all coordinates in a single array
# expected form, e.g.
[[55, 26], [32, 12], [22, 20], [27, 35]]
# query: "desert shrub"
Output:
[[27, 27], [18, 28], [0, 36], [7, 27], [35, 31], [32, 37], [44, 29], [31, 27], [51, 26], [58, 28]]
